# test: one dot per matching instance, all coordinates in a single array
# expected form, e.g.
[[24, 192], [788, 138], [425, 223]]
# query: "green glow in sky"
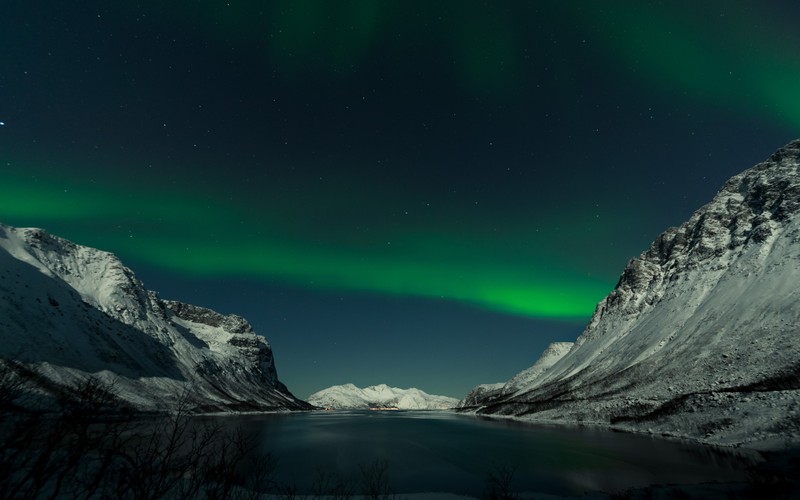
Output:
[[728, 52], [724, 59], [720, 56], [187, 233], [427, 109], [370, 176]]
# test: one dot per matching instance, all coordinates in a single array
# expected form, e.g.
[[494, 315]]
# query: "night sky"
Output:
[[405, 192]]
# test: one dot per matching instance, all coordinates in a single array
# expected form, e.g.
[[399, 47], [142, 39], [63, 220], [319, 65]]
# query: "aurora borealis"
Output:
[[412, 193]]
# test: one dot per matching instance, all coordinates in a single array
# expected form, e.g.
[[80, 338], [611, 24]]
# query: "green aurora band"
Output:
[[718, 55], [707, 59], [208, 239]]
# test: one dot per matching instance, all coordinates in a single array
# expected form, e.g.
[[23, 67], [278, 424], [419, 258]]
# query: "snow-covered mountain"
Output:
[[348, 396], [549, 357], [521, 381], [481, 393], [701, 335], [71, 310]]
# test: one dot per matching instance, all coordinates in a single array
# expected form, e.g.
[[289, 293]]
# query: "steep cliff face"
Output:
[[71, 310], [700, 335]]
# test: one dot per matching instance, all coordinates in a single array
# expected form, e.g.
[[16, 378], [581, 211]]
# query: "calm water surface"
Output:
[[448, 452]]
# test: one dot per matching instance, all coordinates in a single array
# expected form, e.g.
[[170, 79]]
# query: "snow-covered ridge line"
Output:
[[484, 392], [348, 396], [72, 311], [699, 338]]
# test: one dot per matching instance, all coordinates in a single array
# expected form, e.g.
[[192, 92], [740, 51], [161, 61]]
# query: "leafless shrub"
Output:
[[51, 452], [375, 480], [85, 443], [89, 446], [332, 487], [498, 484]]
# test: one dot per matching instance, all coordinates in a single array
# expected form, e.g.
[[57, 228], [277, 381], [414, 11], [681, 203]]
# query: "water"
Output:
[[448, 452]]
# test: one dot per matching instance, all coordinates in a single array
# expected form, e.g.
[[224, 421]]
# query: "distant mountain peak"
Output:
[[348, 396]]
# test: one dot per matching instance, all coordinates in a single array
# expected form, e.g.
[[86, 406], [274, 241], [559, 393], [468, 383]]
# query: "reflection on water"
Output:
[[447, 452]]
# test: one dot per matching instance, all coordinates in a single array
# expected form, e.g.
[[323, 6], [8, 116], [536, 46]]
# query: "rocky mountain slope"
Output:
[[701, 335], [481, 393], [521, 381], [69, 311], [348, 396]]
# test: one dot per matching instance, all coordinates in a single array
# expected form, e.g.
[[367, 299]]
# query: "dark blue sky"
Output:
[[412, 193]]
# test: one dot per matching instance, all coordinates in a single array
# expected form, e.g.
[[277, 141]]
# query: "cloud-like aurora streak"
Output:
[[729, 60], [481, 284], [722, 54], [191, 235]]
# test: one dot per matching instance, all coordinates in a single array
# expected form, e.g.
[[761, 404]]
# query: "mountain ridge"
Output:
[[699, 334], [381, 396], [72, 311]]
